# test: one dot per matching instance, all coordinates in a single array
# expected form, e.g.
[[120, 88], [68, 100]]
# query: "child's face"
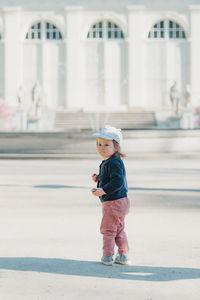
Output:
[[105, 148]]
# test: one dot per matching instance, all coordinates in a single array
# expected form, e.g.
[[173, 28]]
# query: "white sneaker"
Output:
[[122, 259], [107, 260]]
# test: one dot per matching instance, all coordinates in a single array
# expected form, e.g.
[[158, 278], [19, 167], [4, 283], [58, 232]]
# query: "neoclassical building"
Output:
[[89, 55]]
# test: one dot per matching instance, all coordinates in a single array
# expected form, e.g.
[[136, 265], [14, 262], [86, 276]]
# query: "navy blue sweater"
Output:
[[112, 179]]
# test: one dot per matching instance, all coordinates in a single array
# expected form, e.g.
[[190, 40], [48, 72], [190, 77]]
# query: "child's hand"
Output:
[[95, 177], [98, 192]]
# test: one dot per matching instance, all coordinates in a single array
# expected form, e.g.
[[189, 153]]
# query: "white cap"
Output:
[[110, 133]]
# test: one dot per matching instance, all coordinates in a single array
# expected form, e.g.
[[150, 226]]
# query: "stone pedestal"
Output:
[[188, 120], [174, 122], [33, 123], [21, 119]]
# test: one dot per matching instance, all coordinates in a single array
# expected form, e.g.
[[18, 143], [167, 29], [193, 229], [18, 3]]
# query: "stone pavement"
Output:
[[50, 241]]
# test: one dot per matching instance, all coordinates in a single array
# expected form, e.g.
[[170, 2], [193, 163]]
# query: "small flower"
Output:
[[5, 112]]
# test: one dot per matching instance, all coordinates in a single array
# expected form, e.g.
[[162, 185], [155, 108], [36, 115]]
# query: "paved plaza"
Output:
[[49, 229]]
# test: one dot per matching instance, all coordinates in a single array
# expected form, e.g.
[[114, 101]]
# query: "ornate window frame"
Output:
[[105, 30], [43, 30], [167, 29]]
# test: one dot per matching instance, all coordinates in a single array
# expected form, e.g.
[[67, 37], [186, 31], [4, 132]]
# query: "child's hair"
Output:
[[118, 152]]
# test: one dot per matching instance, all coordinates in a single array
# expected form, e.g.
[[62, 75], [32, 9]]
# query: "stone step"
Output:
[[124, 120]]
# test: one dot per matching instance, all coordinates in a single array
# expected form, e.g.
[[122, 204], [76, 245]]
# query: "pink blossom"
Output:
[[5, 112], [197, 110], [197, 122]]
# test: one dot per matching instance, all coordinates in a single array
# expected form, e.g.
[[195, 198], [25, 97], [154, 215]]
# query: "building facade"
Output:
[[99, 55]]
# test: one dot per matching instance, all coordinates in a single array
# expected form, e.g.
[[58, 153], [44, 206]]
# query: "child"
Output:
[[112, 191]]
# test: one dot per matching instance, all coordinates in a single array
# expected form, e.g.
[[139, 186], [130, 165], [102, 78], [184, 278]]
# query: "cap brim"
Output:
[[103, 136]]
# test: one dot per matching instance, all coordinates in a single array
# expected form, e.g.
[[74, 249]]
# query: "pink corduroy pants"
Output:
[[112, 226]]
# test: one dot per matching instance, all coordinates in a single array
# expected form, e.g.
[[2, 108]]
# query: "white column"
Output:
[[11, 54], [194, 54], [45, 75], [75, 96], [112, 74], [135, 56]]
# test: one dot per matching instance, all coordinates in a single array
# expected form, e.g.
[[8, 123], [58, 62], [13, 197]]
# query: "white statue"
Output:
[[187, 97], [35, 97], [21, 113], [174, 98], [20, 95]]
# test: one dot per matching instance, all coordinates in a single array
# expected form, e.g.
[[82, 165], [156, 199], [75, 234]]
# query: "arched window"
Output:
[[43, 30], [105, 30], [167, 29]]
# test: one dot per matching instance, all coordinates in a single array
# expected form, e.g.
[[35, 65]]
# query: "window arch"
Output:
[[167, 29], [43, 30], [105, 30]]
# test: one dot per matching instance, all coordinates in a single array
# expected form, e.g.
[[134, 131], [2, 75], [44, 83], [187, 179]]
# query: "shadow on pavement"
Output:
[[60, 186], [163, 189], [96, 269], [57, 186]]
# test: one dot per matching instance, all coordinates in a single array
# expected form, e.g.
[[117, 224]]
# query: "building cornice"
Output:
[[169, 6], [159, 6], [135, 7], [11, 9], [73, 8], [194, 7]]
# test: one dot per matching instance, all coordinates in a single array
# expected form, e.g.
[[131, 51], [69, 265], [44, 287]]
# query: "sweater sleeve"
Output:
[[115, 169]]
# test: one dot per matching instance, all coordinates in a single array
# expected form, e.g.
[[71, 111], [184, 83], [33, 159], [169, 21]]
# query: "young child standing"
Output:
[[112, 191]]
